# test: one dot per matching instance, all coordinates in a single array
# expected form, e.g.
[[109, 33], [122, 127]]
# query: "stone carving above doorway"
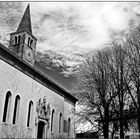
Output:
[[43, 110]]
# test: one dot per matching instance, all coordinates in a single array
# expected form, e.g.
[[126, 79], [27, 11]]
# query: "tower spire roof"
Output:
[[25, 23]]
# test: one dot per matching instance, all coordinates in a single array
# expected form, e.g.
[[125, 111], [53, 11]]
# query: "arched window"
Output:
[[30, 109], [60, 121], [19, 37], [52, 119], [15, 39], [16, 109], [7, 107], [29, 41], [69, 124]]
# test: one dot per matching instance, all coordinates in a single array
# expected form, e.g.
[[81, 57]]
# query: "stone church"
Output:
[[32, 105]]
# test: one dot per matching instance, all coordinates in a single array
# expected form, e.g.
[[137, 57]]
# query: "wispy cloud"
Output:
[[71, 29], [66, 26]]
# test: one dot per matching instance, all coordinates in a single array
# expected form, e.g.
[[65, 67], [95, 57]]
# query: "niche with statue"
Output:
[[42, 121]]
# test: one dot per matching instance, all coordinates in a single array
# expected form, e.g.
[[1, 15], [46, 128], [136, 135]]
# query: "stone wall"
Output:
[[28, 89]]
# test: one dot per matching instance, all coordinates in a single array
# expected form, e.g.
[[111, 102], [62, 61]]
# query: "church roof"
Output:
[[35, 73], [25, 23], [67, 82]]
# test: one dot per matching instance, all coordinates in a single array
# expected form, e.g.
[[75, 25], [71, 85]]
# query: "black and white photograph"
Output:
[[69, 69]]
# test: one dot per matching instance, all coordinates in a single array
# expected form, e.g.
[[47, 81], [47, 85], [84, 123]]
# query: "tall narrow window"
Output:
[[16, 109], [19, 37], [15, 39], [52, 119], [60, 121], [69, 124], [7, 107], [29, 113], [29, 41]]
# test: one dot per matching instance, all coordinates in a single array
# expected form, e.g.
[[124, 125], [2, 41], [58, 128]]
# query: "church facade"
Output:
[[32, 105]]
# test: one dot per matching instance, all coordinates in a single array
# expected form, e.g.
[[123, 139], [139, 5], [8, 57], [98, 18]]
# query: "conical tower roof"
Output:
[[25, 23]]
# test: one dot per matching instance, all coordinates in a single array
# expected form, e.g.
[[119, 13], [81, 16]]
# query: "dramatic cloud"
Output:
[[71, 29]]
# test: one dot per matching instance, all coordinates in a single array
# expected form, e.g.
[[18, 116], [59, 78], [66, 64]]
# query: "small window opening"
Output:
[[29, 113], [16, 109], [19, 37], [28, 41], [15, 39], [60, 121], [52, 119], [7, 106]]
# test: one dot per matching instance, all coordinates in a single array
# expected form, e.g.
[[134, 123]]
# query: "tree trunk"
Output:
[[112, 135], [138, 111], [106, 130], [138, 121], [113, 131], [121, 129], [106, 124], [121, 122]]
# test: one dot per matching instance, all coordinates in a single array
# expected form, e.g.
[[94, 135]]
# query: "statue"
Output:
[[38, 107], [43, 110]]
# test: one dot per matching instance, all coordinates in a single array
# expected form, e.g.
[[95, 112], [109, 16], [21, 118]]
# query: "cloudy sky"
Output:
[[70, 29]]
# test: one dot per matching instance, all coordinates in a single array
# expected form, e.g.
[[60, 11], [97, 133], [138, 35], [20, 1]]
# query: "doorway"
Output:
[[40, 133]]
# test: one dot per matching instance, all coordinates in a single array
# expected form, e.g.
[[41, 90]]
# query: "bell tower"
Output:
[[22, 42]]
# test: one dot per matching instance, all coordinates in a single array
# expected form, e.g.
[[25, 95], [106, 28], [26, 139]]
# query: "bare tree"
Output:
[[119, 74], [102, 89], [95, 91], [132, 47]]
